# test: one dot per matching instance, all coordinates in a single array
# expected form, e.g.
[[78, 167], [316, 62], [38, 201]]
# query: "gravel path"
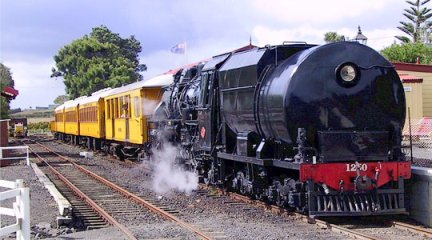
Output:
[[228, 220], [214, 214], [43, 208]]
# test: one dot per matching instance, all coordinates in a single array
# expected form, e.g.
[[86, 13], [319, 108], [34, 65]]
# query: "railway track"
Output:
[[113, 204], [354, 232], [335, 227], [413, 228]]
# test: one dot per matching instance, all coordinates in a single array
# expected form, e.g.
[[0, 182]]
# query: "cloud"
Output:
[[159, 62], [381, 38], [268, 35], [317, 11], [377, 38], [33, 32], [32, 80]]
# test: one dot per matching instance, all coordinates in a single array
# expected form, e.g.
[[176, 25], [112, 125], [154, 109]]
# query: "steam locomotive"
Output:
[[307, 127], [311, 128]]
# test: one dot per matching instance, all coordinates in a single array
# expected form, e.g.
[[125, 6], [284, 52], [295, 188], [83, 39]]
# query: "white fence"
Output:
[[12, 158], [20, 210]]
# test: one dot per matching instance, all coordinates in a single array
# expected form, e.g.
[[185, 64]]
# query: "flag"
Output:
[[179, 48]]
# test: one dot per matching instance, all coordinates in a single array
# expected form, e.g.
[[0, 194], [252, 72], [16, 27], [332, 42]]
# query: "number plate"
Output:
[[351, 167]]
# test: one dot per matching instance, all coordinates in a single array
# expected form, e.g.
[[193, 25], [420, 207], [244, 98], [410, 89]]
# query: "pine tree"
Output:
[[417, 15]]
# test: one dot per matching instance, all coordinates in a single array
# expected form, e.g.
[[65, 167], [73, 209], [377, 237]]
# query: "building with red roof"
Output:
[[417, 80]]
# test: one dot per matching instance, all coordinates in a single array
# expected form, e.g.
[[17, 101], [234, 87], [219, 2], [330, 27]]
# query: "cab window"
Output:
[[205, 88]]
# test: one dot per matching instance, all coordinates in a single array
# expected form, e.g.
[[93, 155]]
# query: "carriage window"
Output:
[[95, 114], [124, 107], [108, 109], [116, 107], [137, 106], [112, 108], [121, 102], [128, 106]]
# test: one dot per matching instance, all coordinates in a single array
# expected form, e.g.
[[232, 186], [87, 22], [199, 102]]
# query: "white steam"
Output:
[[149, 105], [168, 176]]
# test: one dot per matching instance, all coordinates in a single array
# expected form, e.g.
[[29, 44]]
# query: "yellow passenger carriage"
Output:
[[91, 119], [71, 119], [127, 109], [52, 126], [59, 122]]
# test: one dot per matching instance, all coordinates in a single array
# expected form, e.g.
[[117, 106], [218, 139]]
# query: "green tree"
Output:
[[61, 99], [98, 60], [330, 37], [417, 16], [409, 52], [5, 80]]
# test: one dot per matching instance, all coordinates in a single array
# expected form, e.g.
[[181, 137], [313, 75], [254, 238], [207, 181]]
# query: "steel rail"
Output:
[[88, 200], [133, 196], [304, 218], [336, 228], [412, 228]]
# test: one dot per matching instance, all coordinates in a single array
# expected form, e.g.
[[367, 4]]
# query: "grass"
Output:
[[34, 114], [38, 120]]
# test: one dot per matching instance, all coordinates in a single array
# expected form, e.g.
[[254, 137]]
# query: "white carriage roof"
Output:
[[73, 103], [60, 107], [96, 96], [158, 81]]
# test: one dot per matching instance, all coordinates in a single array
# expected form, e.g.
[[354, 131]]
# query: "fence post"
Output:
[[23, 200], [28, 159]]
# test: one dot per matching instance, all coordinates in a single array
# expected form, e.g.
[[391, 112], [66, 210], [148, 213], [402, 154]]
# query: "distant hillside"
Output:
[[44, 115]]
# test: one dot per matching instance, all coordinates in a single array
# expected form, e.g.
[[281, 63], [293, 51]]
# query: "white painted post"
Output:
[[28, 159], [23, 204], [17, 205], [16, 147], [20, 210]]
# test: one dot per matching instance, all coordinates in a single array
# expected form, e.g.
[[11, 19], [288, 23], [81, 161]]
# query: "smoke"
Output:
[[169, 176], [149, 105]]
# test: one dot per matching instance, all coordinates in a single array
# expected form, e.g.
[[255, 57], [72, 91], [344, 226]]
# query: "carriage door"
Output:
[[127, 107], [114, 115]]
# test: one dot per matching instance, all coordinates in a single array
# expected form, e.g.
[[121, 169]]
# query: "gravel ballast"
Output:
[[43, 208], [214, 214], [211, 214]]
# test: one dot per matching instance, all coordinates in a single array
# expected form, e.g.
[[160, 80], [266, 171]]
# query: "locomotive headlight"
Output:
[[347, 74]]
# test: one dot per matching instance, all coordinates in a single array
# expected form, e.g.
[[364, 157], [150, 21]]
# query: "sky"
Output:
[[33, 31]]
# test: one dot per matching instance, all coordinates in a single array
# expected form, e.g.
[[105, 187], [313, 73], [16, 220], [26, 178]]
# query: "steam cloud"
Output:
[[167, 176], [149, 106]]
